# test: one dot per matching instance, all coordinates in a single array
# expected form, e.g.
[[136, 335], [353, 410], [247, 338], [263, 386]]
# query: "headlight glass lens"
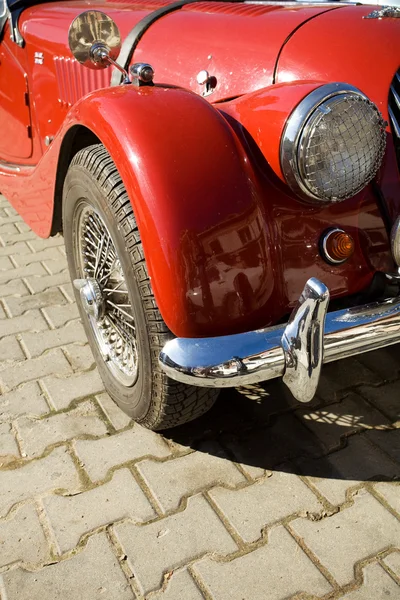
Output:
[[337, 147]]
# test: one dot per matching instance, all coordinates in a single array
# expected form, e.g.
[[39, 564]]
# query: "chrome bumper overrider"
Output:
[[295, 351]]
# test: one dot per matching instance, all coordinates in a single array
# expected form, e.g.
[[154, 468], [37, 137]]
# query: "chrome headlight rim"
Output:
[[296, 128], [395, 241]]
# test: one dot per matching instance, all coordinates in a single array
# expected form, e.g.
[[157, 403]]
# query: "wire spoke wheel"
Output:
[[104, 294], [120, 315]]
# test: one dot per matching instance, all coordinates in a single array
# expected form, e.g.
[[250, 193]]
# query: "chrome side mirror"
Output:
[[95, 41]]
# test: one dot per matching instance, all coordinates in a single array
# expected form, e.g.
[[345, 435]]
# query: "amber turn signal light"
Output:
[[337, 246]]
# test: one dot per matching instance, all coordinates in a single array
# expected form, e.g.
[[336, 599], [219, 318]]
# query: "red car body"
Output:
[[228, 245]]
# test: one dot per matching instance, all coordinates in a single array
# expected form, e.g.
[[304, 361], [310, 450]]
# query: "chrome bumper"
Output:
[[295, 351]]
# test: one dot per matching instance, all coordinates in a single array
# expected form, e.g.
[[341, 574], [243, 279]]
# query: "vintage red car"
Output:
[[233, 173]]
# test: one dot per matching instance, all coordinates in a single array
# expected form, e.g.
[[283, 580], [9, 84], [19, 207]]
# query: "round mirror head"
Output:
[[93, 37]]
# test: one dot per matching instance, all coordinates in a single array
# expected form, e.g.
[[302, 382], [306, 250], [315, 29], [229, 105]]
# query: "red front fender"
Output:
[[195, 200]]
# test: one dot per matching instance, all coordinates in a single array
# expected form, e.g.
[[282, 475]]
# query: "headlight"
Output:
[[333, 143]]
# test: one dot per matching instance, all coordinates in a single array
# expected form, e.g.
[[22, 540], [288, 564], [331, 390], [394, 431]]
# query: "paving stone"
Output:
[[10, 350], [28, 258], [163, 546], [55, 471], [80, 357], [39, 244], [2, 313], [172, 480], [17, 306], [337, 378], [8, 446], [16, 287], [5, 264], [269, 446], [355, 533], [22, 538], [73, 516], [274, 571], [337, 472], [60, 315], [385, 362], [30, 321], [11, 212], [377, 585], [91, 574], [56, 265], [391, 493], [18, 273], [385, 398], [68, 291], [39, 284], [252, 508], [117, 417], [12, 235], [79, 385], [37, 343], [180, 586], [393, 562], [37, 434], [7, 228], [26, 400], [22, 226], [389, 441], [17, 248], [118, 449], [52, 362], [343, 418]]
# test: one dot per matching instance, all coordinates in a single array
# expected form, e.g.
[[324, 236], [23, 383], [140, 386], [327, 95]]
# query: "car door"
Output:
[[15, 123]]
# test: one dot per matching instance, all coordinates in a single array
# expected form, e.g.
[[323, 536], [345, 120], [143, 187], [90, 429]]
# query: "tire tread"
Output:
[[172, 403]]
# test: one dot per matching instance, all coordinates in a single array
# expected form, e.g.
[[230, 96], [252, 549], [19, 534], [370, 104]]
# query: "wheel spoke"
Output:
[[118, 307], [110, 308]]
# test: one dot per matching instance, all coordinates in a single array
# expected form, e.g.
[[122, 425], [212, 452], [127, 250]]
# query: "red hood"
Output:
[[345, 46], [237, 43]]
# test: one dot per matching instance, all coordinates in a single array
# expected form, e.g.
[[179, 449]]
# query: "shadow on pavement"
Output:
[[343, 436]]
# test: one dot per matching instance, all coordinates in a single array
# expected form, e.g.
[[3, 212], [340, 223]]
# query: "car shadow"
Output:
[[340, 435]]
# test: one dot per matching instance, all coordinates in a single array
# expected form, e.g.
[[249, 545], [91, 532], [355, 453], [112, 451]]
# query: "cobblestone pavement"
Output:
[[260, 499]]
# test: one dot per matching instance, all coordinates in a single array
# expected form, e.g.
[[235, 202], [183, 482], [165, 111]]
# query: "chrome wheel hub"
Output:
[[104, 295], [91, 297]]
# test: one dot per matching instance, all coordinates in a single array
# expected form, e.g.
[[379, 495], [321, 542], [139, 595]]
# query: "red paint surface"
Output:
[[228, 246]]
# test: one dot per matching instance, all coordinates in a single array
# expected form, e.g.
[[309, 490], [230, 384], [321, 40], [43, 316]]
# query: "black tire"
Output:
[[154, 400]]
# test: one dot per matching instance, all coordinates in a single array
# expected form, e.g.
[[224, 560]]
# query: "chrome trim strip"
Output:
[[251, 357]]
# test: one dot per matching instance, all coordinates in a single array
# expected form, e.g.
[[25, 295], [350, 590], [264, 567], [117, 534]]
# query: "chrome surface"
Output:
[[91, 297], [104, 295], [293, 158], [48, 139], [325, 249], [251, 357], [386, 12], [395, 241], [39, 58], [94, 39], [394, 113], [302, 341], [202, 77], [142, 74]]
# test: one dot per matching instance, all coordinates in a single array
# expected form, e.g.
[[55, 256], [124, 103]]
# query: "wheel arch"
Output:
[[75, 139], [189, 179]]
